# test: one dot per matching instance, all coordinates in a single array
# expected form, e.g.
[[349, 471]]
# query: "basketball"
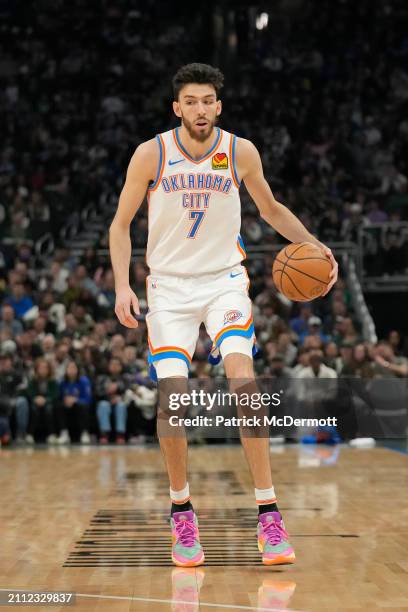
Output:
[[301, 271]]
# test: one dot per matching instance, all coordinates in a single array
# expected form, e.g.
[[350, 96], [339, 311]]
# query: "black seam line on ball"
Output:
[[298, 290], [288, 257], [306, 274]]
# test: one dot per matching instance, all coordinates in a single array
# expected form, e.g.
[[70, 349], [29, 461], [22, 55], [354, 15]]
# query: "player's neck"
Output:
[[195, 148]]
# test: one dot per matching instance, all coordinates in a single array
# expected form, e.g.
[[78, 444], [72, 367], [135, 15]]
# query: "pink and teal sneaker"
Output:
[[273, 540], [187, 550]]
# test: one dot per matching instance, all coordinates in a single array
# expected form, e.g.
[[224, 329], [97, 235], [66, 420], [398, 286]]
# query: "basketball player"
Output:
[[192, 177]]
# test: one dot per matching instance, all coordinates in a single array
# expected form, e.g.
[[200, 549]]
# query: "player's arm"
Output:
[[249, 169], [141, 171]]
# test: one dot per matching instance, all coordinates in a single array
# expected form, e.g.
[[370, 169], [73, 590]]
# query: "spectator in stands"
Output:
[[73, 411], [8, 386], [396, 342], [332, 358], [346, 354], [302, 361], [316, 367], [360, 364], [73, 291], [84, 321], [106, 297], [338, 311], [314, 328], [92, 361], [99, 336], [109, 390], [9, 322], [117, 346], [349, 332], [317, 383], [48, 348], [313, 342], [12, 387], [71, 326], [129, 359], [330, 226], [375, 214], [61, 358], [43, 394], [299, 324], [278, 369], [353, 222], [40, 325], [394, 241], [90, 260], [28, 350], [84, 281], [387, 364], [19, 300], [286, 348], [344, 331]]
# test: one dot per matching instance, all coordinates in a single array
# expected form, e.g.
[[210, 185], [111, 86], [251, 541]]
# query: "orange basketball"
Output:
[[301, 271]]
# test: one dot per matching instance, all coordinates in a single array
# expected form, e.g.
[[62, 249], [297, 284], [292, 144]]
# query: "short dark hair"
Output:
[[197, 73]]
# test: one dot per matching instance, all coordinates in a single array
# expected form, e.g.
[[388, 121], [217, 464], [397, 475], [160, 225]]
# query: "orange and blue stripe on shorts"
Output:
[[168, 352], [246, 331]]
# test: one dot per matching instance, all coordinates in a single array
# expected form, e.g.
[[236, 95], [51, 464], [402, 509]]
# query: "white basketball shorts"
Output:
[[177, 307]]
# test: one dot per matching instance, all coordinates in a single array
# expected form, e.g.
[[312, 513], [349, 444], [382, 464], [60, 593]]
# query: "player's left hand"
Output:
[[335, 268]]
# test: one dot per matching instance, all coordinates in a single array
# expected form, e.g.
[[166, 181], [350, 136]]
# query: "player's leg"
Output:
[[240, 373], [172, 438], [229, 323], [173, 331], [273, 540], [187, 550]]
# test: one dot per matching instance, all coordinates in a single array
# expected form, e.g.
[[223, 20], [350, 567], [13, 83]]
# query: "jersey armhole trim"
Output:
[[232, 157], [162, 161]]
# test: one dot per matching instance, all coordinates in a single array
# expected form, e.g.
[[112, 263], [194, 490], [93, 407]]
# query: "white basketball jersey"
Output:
[[194, 209]]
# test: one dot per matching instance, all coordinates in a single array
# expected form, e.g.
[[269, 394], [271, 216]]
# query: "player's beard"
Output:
[[195, 132]]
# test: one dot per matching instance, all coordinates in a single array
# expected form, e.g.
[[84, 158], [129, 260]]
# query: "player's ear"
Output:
[[219, 107], [176, 108]]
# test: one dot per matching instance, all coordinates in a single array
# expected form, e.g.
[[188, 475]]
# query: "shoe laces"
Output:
[[275, 533], [186, 532]]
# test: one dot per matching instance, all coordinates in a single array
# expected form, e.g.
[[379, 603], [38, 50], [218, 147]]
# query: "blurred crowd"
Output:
[[81, 85], [70, 372], [331, 124], [331, 120]]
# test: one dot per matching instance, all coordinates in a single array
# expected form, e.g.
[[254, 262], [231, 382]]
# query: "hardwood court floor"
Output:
[[78, 519]]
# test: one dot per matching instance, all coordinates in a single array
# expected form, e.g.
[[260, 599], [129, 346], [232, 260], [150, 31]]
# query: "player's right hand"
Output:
[[125, 298]]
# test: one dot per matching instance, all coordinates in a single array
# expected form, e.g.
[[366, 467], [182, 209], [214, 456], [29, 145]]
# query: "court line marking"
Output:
[[163, 601]]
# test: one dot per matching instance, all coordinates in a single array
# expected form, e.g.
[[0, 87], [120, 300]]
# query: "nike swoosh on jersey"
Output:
[[171, 163], [234, 275]]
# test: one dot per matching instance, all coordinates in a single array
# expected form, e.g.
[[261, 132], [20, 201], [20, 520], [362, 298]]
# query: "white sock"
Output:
[[265, 496], [180, 497]]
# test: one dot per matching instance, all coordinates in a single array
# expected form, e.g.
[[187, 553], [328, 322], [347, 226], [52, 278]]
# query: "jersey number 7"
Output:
[[197, 216]]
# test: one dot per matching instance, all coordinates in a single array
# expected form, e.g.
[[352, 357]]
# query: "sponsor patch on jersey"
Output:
[[220, 161], [231, 316]]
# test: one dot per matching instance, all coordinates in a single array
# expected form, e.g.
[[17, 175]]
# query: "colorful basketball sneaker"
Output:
[[187, 550], [273, 540]]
